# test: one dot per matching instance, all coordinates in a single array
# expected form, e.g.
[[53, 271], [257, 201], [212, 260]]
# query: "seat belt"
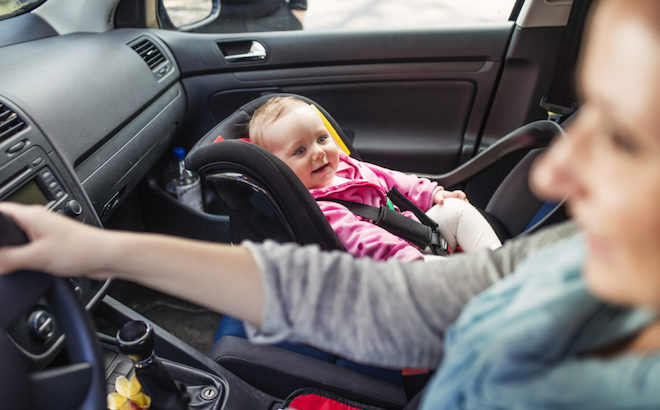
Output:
[[417, 233], [406, 204], [560, 101]]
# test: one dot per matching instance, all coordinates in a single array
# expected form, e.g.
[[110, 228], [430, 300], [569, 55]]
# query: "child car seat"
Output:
[[265, 199]]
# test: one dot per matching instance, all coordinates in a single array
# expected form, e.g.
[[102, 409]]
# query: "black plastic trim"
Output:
[[199, 54], [536, 134]]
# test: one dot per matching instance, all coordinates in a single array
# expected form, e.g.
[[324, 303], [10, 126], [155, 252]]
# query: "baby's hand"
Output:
[[441, 195]]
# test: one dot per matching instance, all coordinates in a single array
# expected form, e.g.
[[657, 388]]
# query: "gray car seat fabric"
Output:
[[513, 203]]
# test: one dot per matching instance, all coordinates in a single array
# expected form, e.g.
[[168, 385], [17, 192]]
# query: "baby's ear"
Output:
[[332, 131]]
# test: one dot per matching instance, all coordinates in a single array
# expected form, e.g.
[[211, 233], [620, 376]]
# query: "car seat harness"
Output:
[[423, 234]]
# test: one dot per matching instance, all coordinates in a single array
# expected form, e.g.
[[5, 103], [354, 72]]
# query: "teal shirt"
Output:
[[522, 343]]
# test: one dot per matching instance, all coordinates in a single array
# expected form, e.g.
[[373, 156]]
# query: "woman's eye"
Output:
[[624, 143]]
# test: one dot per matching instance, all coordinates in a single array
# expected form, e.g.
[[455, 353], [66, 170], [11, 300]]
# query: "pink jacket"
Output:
[[368, 184]]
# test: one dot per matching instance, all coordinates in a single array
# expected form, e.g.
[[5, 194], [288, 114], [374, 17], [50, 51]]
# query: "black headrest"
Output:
[[235, 125]]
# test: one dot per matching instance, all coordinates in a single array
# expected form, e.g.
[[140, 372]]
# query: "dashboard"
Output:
[[77, 138], [108, 120]]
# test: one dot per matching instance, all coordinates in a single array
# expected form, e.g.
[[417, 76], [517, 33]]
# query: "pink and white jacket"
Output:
[[368, 184]]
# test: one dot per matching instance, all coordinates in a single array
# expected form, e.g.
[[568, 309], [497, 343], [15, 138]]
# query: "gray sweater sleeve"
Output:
[[388, 314]]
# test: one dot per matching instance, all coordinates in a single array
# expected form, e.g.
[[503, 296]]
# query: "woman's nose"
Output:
[[556, 173]]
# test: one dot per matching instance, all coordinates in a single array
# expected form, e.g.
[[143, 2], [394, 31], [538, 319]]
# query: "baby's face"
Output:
[[300, 139]]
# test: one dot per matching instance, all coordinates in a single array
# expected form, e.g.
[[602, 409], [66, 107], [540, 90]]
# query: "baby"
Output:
[[294, 132]]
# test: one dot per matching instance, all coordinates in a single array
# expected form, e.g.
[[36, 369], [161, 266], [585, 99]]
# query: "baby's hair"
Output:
[[268, 113]]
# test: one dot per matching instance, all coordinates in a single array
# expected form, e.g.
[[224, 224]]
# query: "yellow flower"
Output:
[[129, 395]]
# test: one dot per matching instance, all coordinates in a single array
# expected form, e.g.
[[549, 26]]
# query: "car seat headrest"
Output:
[[326, 124], [235, 125]]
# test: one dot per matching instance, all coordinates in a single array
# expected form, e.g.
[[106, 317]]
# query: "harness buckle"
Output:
[[555, 111], [439, 245]]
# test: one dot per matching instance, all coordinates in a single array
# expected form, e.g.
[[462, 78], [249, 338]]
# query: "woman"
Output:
[[574, 327]]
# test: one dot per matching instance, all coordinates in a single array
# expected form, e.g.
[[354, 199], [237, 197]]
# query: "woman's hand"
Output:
[[58, 245], [441, 195], [300, 15]]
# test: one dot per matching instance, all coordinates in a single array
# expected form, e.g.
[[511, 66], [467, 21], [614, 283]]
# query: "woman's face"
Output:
[[608, 166]]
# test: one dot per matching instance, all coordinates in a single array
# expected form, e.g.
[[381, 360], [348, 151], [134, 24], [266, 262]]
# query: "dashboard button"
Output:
[[73, 208], [16, 147]]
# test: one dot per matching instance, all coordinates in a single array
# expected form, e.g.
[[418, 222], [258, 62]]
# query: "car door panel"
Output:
[[414, 100], [416, 126]]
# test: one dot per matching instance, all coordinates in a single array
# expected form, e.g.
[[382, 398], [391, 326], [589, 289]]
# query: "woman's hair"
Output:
[[268, 113]]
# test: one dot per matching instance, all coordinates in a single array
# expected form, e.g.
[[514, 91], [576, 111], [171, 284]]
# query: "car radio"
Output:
[[33, 180]]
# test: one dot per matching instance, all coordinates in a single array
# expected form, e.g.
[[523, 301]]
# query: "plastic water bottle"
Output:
[[187, 185]]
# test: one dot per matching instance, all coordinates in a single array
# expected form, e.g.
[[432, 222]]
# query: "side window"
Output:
[[235, 16]]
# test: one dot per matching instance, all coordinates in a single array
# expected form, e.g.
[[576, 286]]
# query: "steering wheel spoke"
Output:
[[13, 373], [19, 292], [62, 387]]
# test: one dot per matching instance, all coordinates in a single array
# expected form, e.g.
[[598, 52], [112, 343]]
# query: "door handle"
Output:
[[256, 52]]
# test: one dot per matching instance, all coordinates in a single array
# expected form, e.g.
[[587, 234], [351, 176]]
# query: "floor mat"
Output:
[[193, 324]]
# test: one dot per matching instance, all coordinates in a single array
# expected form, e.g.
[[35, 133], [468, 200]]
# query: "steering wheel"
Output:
[[80, 382]]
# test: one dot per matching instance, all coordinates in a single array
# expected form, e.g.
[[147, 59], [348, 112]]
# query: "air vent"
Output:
[[149, 52], [10, 123]]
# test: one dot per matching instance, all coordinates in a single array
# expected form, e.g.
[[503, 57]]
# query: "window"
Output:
[[277, 15]]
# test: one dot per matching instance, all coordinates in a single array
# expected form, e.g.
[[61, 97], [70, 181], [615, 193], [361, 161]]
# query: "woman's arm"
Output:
[[382, 313], [385, 313], [220, 277]]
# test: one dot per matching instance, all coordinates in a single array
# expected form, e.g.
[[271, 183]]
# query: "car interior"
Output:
[[94, 96]]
